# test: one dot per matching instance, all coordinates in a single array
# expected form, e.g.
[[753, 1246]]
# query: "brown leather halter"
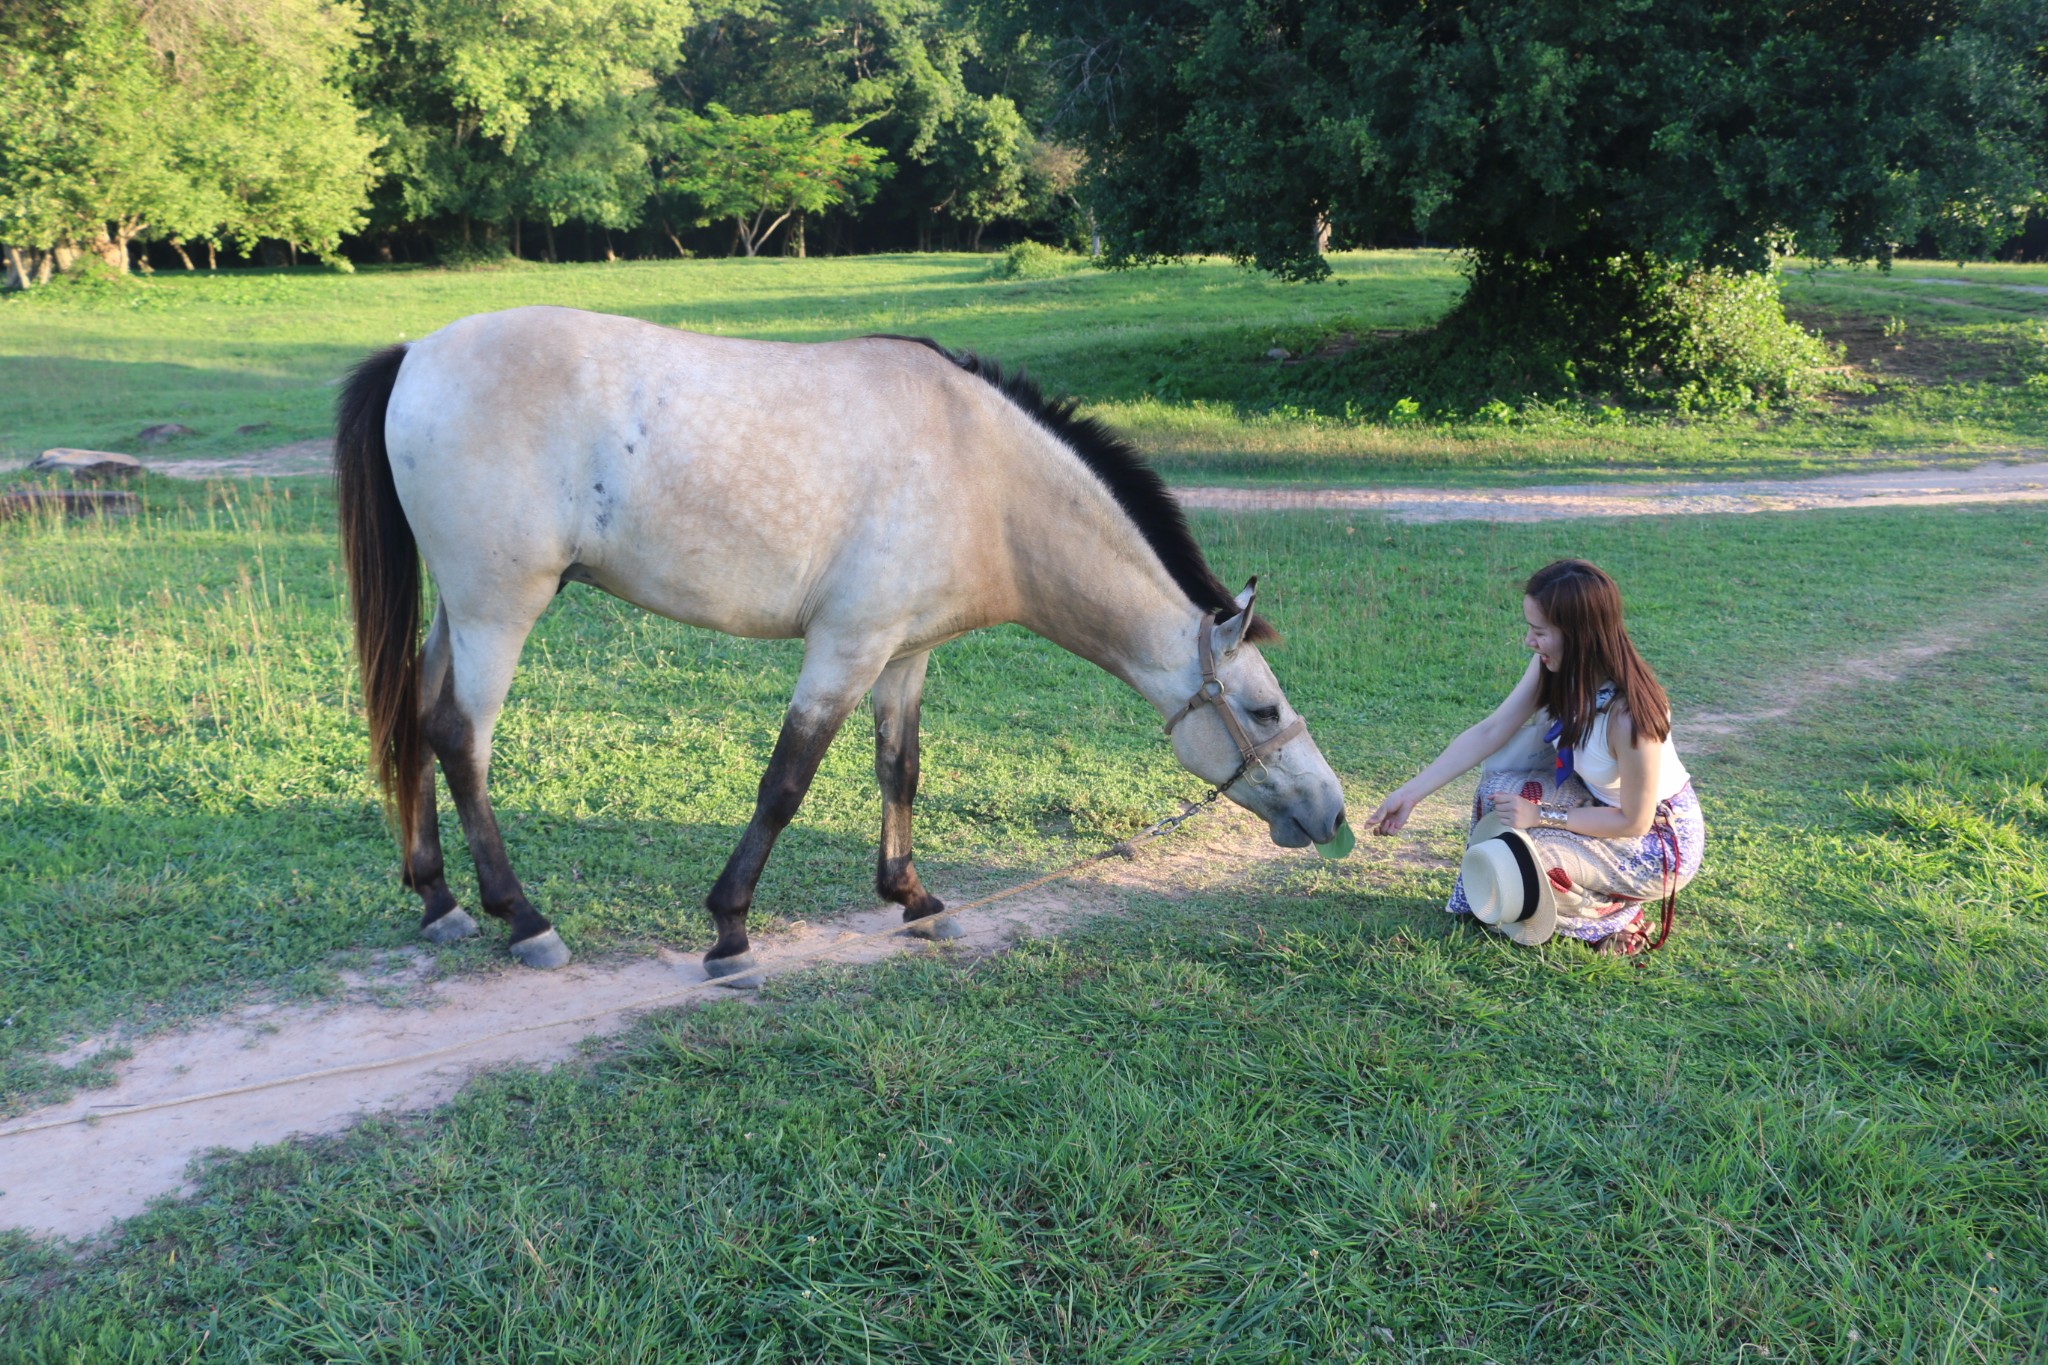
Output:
[[1212, 693]]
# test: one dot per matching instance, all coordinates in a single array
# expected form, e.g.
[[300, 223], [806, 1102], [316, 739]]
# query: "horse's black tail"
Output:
[[383, 584]]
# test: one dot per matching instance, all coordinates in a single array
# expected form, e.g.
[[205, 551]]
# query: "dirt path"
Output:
[[1925, 487], [1560, 502], [71, 1179]]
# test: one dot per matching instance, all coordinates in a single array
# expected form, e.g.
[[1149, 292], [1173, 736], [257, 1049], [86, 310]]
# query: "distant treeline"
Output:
[[196, 132]]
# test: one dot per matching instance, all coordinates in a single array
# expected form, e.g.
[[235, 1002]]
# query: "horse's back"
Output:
[[742, 485]]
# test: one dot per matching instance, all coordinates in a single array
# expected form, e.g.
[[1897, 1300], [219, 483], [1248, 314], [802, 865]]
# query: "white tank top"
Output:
[[1593, 759]]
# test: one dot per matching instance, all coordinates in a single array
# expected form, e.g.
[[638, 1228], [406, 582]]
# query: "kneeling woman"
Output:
[[1584, 811]]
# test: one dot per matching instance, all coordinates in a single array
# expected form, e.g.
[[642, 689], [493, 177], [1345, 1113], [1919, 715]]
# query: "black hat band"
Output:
[[1527, 864]]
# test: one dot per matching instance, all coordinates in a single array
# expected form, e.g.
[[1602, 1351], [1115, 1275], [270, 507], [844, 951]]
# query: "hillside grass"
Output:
[[1178, 356], [1300, 1117]]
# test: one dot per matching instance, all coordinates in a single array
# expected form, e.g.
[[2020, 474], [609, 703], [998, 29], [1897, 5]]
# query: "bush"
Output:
[[1036, 261], [1630, 329], [490, 255]]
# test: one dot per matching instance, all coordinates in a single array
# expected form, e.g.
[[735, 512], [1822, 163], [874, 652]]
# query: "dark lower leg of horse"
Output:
[[534, 941], [441, 919], [798, 751], [896, 768]]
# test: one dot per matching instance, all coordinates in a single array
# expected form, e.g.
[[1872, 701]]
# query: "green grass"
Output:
[[1176, 355], [1293, 1115], [1297, 1116]]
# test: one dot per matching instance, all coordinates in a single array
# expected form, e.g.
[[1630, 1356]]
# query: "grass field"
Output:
[[1292, 1115], [1177, 356], [1278, 1121]]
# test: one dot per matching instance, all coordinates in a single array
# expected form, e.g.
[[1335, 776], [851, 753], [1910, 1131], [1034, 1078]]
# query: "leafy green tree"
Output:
[[982, 158], [760, 169], [500, 109], [84, 162], [933, 83], [181, 119], [1591, 150]]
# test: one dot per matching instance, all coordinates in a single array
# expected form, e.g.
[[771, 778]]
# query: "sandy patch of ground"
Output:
[[1560, 502], [279, 462], [1931, 486]]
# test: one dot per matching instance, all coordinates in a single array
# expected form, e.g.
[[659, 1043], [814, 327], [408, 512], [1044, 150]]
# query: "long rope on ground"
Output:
[[1122, 849]]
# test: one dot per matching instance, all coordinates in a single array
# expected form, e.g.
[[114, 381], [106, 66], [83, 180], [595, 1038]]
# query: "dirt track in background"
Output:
[[1924, 487], [1564, 502]]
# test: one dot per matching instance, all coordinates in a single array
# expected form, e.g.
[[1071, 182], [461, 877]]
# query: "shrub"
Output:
[[1630, 329], [1036, 261]]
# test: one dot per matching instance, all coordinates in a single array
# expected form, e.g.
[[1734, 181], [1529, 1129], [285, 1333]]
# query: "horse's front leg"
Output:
[[899, 693], [826, 692]]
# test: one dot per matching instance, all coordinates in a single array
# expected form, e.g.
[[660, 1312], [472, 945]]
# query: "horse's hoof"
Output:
[[937, 928], [718, 968], [452, 927], [542, 952]]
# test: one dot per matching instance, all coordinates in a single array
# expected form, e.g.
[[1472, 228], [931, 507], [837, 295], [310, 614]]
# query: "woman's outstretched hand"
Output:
[[1519, 812], [1393, 813]]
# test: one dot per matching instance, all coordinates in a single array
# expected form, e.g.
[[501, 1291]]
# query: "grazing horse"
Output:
[[874, 498]]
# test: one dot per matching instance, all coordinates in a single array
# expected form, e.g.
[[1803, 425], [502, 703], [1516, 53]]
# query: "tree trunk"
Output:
[[674, 241], [178, 245], [550, 226], [515, 236], [1094, 237], [793, 240], [609, 254], [17, 269], [112, 251], [212, 255], [1319, 234], [291, 252], [974, 238], [734, 249]]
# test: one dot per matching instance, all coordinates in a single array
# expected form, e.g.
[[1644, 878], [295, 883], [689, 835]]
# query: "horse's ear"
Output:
[[1230, 631]]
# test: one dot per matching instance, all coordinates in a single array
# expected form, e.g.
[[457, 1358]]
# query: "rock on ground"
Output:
[[88, 466]]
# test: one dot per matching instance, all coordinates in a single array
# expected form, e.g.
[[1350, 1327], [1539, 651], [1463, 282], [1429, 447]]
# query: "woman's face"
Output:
[[1544, 640]]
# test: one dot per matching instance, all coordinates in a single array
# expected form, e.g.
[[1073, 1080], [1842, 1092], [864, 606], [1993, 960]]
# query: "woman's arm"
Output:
[[1461, 754], [1638, 809]]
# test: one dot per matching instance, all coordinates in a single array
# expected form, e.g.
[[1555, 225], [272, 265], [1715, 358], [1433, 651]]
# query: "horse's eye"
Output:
[[1265, 715]]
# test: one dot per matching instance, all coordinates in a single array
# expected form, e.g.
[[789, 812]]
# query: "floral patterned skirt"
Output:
[[1601, 884]]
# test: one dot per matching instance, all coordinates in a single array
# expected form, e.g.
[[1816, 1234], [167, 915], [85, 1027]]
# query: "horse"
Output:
[[873, 497]]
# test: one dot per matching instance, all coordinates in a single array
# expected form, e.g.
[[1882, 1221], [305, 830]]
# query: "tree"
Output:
[[747, 167], [1591, 149], [942, 98], [494, 111], [178, 119], [982, 159]]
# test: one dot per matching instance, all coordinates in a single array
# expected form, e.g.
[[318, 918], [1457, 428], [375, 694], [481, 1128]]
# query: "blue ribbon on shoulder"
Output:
[[1564, 753]]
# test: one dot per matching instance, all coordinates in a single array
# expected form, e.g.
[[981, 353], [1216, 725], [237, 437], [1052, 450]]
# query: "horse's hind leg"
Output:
[[826, 692], [459, 722], [441, 919], [899, 694]]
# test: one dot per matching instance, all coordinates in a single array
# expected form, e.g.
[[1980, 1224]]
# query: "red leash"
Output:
[[1668, 854]]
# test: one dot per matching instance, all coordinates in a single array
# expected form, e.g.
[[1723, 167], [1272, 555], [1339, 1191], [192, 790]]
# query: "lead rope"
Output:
[[1123, 848], [1668, 856]]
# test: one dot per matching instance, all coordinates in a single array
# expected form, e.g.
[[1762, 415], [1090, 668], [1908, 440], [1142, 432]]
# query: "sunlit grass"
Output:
[[1178, 355]]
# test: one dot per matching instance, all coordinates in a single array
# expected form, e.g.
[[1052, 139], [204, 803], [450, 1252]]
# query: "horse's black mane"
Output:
[[1132, 481]]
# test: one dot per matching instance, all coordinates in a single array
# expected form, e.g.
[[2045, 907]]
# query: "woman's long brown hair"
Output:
[[1585, 606]]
